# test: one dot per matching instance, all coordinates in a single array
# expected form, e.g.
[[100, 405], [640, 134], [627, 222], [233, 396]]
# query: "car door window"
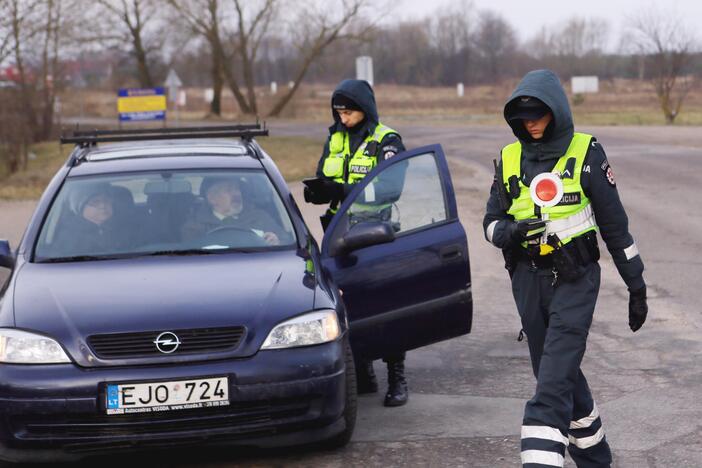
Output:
[[409, 195], [411, 287]]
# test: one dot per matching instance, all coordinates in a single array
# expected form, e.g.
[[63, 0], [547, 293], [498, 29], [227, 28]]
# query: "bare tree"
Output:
[[452, 39], [574, 48], [251, 29], [405, 54], [669, 47], [36, 36], [205, 19], [496, 41], [127, 21], [581, 36], [14, 134], [5, 29], [315, 30], [31, 37], [10, 119]]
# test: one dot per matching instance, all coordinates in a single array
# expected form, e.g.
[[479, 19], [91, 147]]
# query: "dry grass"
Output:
[[45, 159], [619, 102], [296, 157]]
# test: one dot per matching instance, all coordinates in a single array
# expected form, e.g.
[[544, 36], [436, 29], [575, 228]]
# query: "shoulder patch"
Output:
[[389, 151], [610, 176], [607, 169]]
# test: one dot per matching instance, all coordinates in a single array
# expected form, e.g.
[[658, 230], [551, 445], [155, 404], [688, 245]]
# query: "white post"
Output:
[[274, 88], [364, 68], [460, 89]]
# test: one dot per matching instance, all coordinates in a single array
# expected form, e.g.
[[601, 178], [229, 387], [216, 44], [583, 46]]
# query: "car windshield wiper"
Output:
[[79, 258], [178, 252], [204, 251]]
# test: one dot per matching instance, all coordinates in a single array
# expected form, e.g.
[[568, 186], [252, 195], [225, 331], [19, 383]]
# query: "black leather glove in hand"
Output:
[[527, 229], [638, 308], [316, 196], [322, 190], [334, 190]]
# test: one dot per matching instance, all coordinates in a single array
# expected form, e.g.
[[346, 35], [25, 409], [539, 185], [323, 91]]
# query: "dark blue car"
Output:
[[168, 292]]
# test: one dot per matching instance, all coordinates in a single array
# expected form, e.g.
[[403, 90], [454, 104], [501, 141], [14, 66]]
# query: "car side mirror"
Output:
[[7, 258], [365, 234]]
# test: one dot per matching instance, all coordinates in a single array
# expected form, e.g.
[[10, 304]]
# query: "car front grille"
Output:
[[141, 344]]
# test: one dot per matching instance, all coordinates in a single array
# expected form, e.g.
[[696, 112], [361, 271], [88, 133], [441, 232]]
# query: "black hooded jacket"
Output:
[[360, 92], [541, 156]]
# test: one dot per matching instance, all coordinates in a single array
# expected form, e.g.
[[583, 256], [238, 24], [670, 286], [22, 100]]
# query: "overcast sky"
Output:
[[529, 16]]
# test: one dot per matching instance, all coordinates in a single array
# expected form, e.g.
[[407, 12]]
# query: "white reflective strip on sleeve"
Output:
[[587, 442], [631, 251], [542, 457], [567, 227], [490, 231], [587, 421], [369, 193], [544, 432]]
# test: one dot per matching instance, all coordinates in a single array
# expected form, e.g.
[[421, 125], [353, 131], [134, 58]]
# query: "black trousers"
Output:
[[359, 360], [562, 413]]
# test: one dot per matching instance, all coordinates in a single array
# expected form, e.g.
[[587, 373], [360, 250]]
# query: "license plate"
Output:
[[167, 396]]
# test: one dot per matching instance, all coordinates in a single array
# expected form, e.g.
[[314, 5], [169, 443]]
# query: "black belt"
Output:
[[583, 249]]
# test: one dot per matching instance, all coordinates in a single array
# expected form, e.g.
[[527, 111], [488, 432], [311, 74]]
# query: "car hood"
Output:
[[72, 301]]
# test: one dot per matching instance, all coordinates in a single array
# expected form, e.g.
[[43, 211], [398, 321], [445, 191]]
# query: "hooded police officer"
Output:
[[551, 252], [357, 143]]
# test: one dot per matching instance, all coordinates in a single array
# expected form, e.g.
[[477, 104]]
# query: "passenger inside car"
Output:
[[225, 208], [92, 223]]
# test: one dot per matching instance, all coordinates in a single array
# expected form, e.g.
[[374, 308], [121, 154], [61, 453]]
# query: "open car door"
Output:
[[399, 254]]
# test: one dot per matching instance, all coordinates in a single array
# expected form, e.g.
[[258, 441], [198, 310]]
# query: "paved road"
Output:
[[468, 394]]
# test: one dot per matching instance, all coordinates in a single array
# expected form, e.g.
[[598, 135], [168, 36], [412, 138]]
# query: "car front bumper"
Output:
[[277, 397]]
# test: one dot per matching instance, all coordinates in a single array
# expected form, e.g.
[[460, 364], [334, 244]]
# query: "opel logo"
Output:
[[167, 342]]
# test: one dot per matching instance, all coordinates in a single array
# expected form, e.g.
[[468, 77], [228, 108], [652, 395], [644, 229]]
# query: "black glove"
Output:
[[527, 229], [321, 190], [334, 190], [638, 308], [317, 197]]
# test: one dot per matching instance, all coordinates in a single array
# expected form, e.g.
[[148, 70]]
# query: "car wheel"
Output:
[[350, 406]]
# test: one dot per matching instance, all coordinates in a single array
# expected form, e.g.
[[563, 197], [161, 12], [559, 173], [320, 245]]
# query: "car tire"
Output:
[[350, 407]]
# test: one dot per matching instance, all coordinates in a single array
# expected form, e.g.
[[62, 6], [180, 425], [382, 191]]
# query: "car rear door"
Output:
[[409, 286]]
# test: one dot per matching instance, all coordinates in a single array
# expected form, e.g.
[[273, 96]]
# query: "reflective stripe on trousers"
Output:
[[556, 321]]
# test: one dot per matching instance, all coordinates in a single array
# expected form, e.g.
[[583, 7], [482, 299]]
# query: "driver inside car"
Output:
[[226, 207]]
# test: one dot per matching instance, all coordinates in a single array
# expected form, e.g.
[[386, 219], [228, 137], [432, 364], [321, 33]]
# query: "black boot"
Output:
[[365, 378], [397, 385]]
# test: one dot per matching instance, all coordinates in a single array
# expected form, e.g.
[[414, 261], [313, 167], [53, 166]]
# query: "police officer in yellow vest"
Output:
[[548, 234], [357, 143]]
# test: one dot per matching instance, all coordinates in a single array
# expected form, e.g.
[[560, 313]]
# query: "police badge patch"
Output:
[[610, 176], [607, 169], [389, 151]]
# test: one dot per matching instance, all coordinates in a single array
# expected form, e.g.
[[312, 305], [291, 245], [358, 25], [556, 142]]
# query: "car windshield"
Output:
[[164, 213]]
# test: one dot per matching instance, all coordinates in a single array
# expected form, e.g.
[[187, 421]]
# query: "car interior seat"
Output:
[[169, 204]]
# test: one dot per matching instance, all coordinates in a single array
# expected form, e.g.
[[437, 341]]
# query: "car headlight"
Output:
[[313, 328], [21, 347]]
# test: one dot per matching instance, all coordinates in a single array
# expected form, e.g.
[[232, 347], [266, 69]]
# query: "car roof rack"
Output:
[[85, 138]]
